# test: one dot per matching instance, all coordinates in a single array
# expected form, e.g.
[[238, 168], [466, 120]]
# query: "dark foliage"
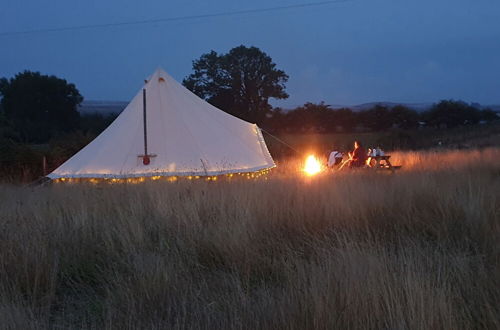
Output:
[[37, 107], [321, 118], [449, 113], [488, 115], [95, 123], [24, 162], [403, 117], [240, 82], [19, 162]]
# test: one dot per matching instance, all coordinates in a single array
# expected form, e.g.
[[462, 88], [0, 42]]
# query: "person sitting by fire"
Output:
[[357, 158], [335, 158]]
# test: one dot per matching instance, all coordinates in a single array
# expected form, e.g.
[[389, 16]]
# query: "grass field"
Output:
[[419, 249]]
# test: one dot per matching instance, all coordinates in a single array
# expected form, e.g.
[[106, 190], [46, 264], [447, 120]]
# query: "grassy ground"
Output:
[[418, 249]]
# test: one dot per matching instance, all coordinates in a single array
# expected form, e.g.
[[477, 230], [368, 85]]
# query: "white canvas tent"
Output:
[[177, 134]]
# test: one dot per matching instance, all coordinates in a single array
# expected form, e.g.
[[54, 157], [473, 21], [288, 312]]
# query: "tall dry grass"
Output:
[[356, 249]]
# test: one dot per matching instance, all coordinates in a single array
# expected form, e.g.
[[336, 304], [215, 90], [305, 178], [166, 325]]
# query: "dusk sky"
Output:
[[346, 53]]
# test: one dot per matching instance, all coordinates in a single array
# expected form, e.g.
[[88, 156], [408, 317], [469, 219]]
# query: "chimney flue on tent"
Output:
[[146, 158], [144, 116]]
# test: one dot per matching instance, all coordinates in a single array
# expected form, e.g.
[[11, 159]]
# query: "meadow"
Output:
[[418, 249]]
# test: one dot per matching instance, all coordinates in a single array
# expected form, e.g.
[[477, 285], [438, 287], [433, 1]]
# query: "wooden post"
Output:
[[44, 165]]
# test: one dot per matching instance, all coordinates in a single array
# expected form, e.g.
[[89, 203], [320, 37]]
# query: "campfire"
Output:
[[312, 166]]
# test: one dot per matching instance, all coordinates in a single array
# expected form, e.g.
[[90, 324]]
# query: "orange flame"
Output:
[[312, 166]]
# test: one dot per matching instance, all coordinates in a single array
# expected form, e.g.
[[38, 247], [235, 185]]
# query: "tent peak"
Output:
[[159, 75]]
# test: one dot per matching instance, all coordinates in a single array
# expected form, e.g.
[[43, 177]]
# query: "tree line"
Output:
[[321, 118]]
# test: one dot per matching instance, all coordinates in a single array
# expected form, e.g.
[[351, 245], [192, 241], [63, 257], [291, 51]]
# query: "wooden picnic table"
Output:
[[380, 162], [375, 162]]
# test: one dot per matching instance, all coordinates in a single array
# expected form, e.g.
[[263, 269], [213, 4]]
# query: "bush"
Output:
[[19, 161]]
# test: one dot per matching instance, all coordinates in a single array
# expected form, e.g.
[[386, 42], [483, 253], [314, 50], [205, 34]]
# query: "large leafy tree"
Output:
[[39, 106], [240, 82]]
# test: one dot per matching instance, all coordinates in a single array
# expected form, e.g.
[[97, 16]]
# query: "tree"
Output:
[[39, 106], [95, 123], [240, 82], [345, 119], [449, 113], [378, 118], [310, 118], [276, 120], [489, 115], [404, 117]]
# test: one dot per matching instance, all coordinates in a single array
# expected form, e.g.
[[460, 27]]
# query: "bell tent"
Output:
[[166, 130]]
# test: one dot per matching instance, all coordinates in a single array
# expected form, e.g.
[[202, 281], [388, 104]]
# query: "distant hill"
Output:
[[102, 107]]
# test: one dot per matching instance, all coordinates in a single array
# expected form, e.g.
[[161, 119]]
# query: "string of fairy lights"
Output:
[[159, 178]]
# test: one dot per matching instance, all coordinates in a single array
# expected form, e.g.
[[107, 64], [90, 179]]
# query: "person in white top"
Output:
[[335, 158]]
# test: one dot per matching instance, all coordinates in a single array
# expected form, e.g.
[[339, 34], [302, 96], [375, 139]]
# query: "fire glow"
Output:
[[312, 166]]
